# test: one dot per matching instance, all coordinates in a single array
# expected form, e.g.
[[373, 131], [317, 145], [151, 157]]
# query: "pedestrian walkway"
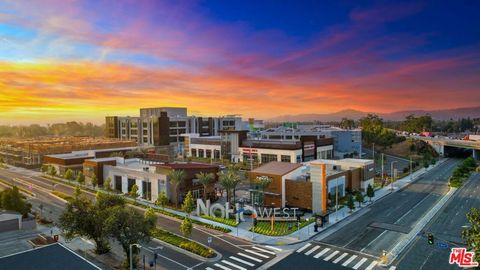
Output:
[[249, 258], [334, 255]]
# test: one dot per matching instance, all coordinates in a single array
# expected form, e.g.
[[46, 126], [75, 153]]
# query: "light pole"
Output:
[[373, 152], [392, 174], [336, 200], [411, 171], [131, 259]]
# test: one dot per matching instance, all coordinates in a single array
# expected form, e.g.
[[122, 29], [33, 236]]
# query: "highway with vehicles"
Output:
[[446, 228], [234, 252], [359, 241]]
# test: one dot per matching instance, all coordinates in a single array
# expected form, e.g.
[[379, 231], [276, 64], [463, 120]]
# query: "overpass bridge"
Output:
[[441, 144]]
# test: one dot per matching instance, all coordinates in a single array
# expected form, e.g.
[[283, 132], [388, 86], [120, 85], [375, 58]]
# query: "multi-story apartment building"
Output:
[[166, 126]]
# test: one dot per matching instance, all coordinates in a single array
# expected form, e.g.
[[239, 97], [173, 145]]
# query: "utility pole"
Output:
[[392, 175], [382, 171], [336, 200], [373, 152], [411, 176]]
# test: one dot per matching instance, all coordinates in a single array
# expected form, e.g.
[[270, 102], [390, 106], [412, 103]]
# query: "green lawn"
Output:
[[227, 221], [280, 228]]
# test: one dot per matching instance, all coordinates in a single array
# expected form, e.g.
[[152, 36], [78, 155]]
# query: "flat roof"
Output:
[[50, 257], [277, 168], [192, 165]]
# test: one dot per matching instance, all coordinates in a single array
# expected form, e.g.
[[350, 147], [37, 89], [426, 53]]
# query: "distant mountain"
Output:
[[472, 112]]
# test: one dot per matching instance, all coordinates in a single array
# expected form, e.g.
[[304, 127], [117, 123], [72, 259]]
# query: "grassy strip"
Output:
[[280, 228], [182, 243], [62, 195], [19, 188], [226, 221], [462, 172]]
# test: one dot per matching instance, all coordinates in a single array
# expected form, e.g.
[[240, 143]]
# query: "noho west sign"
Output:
[[208, 209]]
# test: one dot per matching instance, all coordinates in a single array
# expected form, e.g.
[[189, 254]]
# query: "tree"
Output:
[[204, 179], [471, 235], [83, 218], [134, 191], [347, 123], [176, 178], [68, 175], [229, 180], [107, 184], [370, 192], [128, 227], [52, 171], [359, 198], [94, 180], [350, 203], [262, 182], [11, 199], [162, 199], [187, 205], [186, 227], [150, 217], [80, 178], [44, 168]]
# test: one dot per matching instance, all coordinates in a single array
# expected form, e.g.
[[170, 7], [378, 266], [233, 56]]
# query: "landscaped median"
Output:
[[227, 221], [7, 183], [62, 195], [280, 228], [182, 243]]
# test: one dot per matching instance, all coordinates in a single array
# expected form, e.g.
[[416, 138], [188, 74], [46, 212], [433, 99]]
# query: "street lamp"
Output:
[[131, 260], [392, 174]]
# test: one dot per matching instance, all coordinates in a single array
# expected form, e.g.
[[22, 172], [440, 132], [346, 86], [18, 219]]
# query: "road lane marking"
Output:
[[362, 261], [303, 248], [392, 268], [274, 248], [242, 261], [331, 256], [256, 253], [349, 260], [250, 257], [312, 250], [370, 267], [337, 260], [234, 265], [209, 268], [325, 250], [222, 267], [264, 250]]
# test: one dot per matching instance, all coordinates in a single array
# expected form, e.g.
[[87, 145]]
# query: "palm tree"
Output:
[[229, 181], [176, 178], [204, 179], [263, 182]]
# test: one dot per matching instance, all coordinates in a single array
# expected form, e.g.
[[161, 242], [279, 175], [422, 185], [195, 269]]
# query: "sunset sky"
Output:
[[82, 60]]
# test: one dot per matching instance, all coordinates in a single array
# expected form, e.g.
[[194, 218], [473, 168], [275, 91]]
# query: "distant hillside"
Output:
[[472, 112]]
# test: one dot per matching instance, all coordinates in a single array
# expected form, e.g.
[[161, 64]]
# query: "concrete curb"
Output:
[[188, 253]]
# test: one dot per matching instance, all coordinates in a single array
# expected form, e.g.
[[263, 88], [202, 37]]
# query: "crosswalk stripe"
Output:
[[312, 250], [304, 247], [370, 267], [274, 248], [349, 260], [362, 261], [256, 253], [234, 265], [325, 250], [222, 267], [337, 260], [209, 268], [331, 255], [393, 267], [264, 250], [242, 261], [250, 257]]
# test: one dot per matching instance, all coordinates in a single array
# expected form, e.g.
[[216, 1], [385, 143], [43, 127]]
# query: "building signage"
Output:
[[259, 212], [248, 150]]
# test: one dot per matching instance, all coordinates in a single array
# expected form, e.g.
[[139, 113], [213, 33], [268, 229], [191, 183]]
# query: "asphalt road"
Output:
[[225, 244], [446, 227]]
